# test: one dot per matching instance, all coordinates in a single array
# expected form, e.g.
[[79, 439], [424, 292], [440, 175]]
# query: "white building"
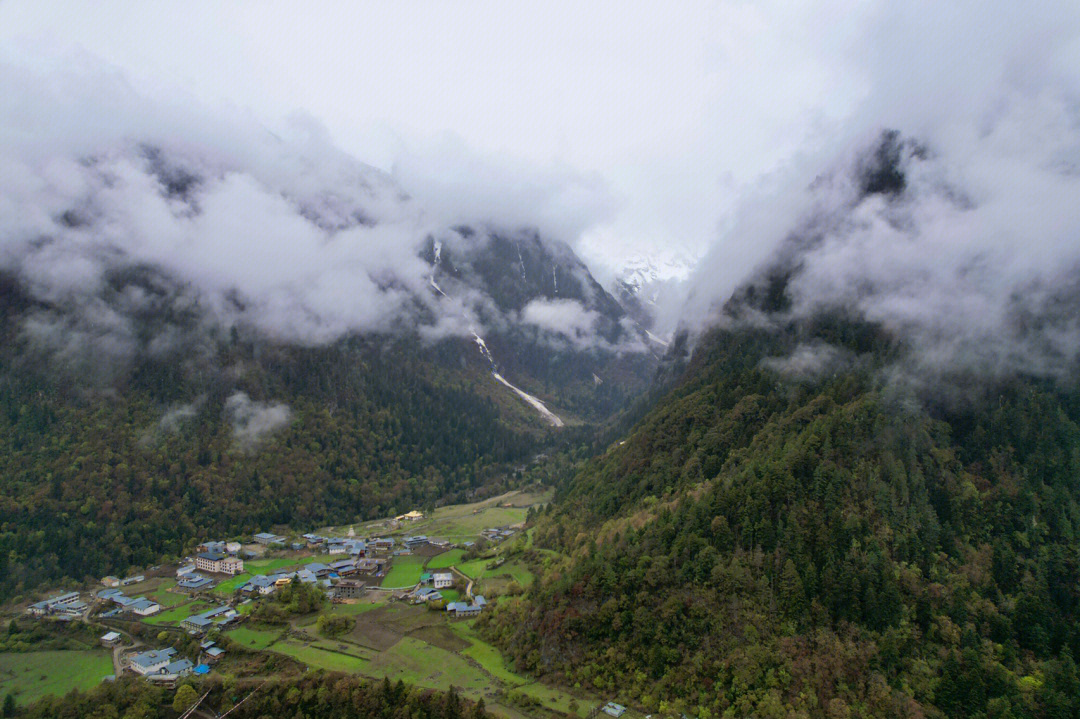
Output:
[[145, 607], [218, 563], [443, 579], [268, 538], [151, 662], [60, 603]]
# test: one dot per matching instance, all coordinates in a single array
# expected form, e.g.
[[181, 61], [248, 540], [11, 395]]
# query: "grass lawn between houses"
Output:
[[177, 614], [446, 559], [320, 658], [31, 675], [252, 638], [405, 572], [165, 598], [229, 586], [350, 610], [475, 568]]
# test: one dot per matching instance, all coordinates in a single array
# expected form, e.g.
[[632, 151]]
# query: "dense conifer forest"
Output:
[[94, 482], [317, 695], [836, 545]]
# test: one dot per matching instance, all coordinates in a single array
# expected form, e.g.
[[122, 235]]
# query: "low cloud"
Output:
[[568, 318], [972, 257], [119, 205], [254, 421], [456, 185], [178, 414], [809, 361]]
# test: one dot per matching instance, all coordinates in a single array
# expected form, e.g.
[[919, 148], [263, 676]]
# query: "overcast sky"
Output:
[[675, 109]]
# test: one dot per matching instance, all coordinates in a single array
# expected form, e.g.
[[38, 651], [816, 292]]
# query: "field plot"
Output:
[[28, 676], [268, 566], [475, 568], [413, 643], [164, 597], [461, 521], [441, 636], [253, 638], [177, 613], [405, 572], [446, 559], [319, 658], [426, 665], [372, 631], [500, 578], [229, 586], [486, 655], [360, 607]]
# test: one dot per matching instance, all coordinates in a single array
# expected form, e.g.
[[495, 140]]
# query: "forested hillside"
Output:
[[832, 515], [97, 480], [317, 695], [141, 411], [764, 544]]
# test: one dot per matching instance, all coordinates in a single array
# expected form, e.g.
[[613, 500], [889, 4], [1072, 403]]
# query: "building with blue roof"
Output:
[[151, 662]]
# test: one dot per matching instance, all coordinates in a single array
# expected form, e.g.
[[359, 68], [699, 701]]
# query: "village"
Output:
[[405, 589], [217, 562]]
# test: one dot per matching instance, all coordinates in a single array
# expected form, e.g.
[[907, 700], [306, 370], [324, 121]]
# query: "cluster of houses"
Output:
[[141, 606], [162, 666], [113, 582], [333, 545], [267, 538], [216, 617], [190, 581], [445, 580], [59, 606], [461, 610], [494, 534], [316, 573]]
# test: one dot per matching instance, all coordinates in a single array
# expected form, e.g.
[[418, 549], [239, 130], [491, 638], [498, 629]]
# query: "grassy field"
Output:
[[229, 586], [516, 571], [253, 638], [177, 614], [351, 610], [486, 655], [460, 521], [446, 559], [321, 658], [267, 566], [164, 597], [474, 568], [499, 579], [450, 595], [405, 572], [31, 675], [557, 699], [423, 664]]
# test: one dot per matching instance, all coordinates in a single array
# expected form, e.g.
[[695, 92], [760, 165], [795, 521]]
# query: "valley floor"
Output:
[[387, 635]]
